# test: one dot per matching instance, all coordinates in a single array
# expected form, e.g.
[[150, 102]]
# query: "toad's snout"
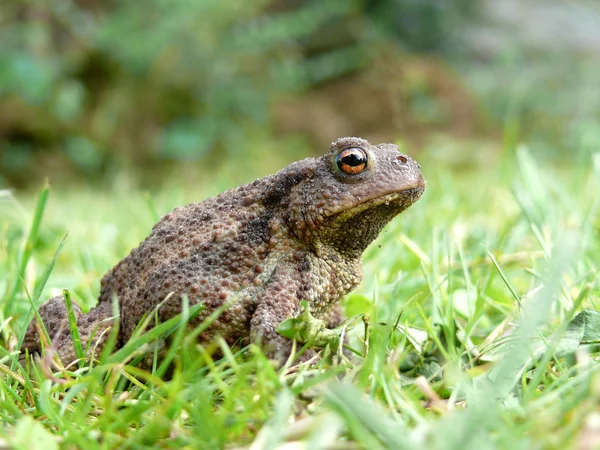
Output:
[[410, 169]]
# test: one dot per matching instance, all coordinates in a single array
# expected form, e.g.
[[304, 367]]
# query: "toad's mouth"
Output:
[[392, 203]]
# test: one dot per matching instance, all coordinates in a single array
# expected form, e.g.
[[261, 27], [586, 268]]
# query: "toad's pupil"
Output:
[[354, 159]]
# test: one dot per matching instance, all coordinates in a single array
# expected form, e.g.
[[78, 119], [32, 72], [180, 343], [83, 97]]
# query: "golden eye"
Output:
[[352, 160]]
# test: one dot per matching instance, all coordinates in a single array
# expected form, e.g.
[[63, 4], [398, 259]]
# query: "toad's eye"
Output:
[[352, 160]]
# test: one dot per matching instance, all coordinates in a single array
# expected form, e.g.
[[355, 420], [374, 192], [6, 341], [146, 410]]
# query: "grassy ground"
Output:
[[466, 327]]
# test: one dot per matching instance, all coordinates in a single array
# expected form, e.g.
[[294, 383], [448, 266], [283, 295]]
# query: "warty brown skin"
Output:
[[296, 235]]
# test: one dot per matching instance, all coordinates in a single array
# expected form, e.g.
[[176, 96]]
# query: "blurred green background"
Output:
[[91, 90]]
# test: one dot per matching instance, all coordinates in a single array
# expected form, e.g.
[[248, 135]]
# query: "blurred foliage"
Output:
[[92, 87], [423, 26], [88, 86]]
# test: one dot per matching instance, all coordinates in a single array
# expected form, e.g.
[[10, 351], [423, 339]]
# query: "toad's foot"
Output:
[[93, 328]]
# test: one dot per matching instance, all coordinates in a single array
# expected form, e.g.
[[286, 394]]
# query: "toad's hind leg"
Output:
[[94, 329]]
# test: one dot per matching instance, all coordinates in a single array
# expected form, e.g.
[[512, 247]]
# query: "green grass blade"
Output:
[[73, 327], [28, 245]]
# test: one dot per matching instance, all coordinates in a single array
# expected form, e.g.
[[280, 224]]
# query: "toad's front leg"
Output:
[[278, 301]]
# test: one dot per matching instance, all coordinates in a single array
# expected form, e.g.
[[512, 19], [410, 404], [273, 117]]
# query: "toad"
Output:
[[255, 251]]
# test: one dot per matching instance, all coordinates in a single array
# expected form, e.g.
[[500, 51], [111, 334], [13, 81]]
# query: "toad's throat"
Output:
[[354, 233]]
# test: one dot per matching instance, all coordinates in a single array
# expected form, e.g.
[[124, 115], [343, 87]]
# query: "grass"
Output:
[[466, 328]]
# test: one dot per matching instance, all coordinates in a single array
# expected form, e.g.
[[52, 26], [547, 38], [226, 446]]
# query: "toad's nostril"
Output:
[[402, 159]]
